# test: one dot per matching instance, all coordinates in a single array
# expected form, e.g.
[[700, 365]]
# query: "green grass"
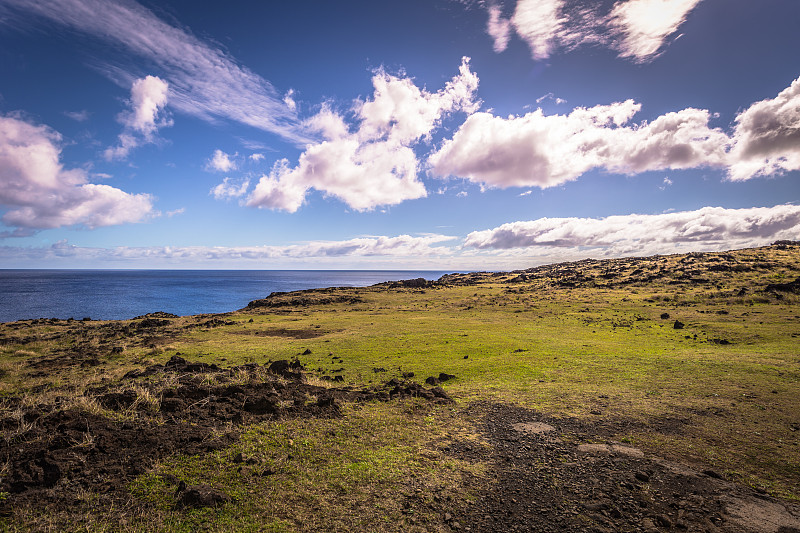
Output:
[[568, 352]]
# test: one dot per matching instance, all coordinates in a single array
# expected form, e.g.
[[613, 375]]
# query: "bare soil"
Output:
[[557, 475]]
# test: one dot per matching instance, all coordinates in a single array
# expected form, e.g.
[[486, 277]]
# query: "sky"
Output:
[[423, 134]]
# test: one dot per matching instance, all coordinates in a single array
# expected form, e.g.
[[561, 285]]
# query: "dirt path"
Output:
[[562, 475]]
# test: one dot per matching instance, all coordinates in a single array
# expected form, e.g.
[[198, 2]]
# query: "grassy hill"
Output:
[[587, 396]]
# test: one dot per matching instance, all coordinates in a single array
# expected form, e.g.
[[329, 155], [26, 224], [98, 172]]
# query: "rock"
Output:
[[663, 521], [678, 325], [439, 392], [793, 287], [664, 316], [642, 476], [431, 380], [306, 352], [286, 369], [445, 377], [198, 496]]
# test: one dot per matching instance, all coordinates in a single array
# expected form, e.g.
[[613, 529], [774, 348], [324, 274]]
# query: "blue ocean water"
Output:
[[122, 294]]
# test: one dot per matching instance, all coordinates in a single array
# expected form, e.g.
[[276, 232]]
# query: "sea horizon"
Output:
[[119, 294]]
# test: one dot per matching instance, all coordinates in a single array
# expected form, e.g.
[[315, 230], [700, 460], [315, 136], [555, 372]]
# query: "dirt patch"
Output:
[[52, 455], [308, 333], [574, 483]]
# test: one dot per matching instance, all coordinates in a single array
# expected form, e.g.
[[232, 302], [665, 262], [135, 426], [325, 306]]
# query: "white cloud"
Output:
[[77, 116], [175, 212], [767, 137], [144, 118], [366, 250], [288, 99], [706, 228], [230, 189], [498, 28], [256, 157], [221, 162], [204, 81], [548, 150], [374, 165], [642, 26], [41, 193], [550, 96], [637, 29], [539, 23]]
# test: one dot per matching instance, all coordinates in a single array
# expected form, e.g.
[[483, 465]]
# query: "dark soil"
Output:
[[65, 452], [559, 475]]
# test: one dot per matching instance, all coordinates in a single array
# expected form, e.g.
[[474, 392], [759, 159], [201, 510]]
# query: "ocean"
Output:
[[123, 294]]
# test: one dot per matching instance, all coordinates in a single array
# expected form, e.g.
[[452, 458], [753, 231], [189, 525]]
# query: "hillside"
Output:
[[638, 394]]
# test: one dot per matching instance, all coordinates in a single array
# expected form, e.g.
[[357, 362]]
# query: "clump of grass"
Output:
[[145, 397]]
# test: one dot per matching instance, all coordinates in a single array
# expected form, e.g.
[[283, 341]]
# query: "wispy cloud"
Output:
[[637, 29], [78, 116], [328, 252], [205, 81], [641, 27]]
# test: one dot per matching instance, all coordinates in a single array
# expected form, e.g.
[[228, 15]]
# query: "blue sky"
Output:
[[436, 134]]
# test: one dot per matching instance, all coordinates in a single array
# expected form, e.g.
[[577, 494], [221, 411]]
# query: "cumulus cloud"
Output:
[[40, 193], [637, 29], [230, 189], [374, 164], [221, 162], [706, 228], [642, 26], [548, 150], [256, 157], [204, 81], [144, 118], [766, 139]]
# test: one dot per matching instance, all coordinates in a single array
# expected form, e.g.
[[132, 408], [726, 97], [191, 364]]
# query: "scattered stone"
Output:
[[199, 496], [664, 316], [678, 325]]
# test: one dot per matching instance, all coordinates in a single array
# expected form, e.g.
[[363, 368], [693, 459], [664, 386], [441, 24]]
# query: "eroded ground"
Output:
[[644, 394]]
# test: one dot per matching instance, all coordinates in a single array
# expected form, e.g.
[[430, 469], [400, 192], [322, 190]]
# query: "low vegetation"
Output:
[[165, 423]]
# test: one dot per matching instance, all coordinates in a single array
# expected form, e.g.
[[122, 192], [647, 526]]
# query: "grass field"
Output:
[[583, 340]]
